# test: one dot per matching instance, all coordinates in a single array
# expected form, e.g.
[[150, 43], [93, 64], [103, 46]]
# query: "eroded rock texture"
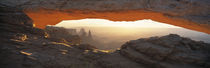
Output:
[[171, 51], [14, 26]]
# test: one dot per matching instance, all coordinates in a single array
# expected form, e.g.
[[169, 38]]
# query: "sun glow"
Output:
[[147, 23], [113, 34]]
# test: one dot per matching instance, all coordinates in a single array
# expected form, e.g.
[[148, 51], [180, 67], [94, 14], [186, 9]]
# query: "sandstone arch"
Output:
[[15, 25], [191, 14], [51, 17]]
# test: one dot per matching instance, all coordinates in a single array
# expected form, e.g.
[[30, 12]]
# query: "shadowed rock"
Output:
[[171, 51]]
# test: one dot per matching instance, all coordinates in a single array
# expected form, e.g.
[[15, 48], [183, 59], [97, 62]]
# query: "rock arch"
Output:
[[45, 17], [191, 14]]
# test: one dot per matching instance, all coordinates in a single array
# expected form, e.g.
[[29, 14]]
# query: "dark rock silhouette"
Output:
[[82, 32], [86, 37], [90, 35]]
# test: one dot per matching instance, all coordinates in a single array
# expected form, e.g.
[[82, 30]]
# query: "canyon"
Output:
[[23, 45]]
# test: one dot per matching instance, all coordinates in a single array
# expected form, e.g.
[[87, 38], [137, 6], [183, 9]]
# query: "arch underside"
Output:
[[45, 17]]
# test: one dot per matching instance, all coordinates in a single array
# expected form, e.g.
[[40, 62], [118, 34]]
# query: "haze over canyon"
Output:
[[28, 42], [111, 35]]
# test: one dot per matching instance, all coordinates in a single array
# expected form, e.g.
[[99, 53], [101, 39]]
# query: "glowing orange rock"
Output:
[[45, 17]]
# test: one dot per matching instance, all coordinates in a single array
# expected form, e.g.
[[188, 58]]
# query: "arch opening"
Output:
[[43, 17], [106, 34]]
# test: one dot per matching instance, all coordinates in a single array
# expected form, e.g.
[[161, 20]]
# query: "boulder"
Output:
[[171, 51]]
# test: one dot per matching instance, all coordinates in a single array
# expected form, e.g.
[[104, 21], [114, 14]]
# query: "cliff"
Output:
[[62, 35]]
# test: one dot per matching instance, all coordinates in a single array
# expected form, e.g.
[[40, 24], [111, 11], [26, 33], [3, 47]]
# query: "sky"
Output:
[[147, 23]]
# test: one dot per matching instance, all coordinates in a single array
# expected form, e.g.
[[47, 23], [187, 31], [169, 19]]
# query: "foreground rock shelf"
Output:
[[171, 51]]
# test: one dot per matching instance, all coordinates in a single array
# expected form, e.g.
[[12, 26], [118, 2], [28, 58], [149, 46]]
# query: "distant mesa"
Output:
[[67, 33]]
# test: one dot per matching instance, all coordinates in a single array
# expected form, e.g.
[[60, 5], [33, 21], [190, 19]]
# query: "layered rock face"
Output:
[[15, 24]]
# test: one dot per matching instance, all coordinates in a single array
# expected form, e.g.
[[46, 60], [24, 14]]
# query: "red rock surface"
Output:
[[45, 17]]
